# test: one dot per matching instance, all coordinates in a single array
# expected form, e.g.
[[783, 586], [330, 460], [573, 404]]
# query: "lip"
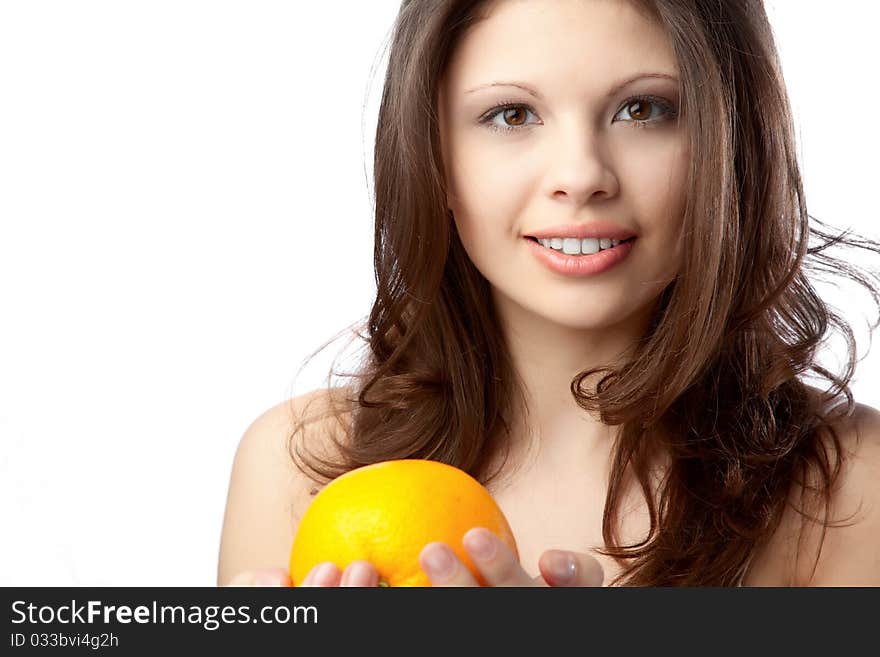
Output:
[[589, 229], [580, 266]]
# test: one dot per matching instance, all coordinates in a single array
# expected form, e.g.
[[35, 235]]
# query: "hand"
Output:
[[500, 567], [262, 577], [357, 573]]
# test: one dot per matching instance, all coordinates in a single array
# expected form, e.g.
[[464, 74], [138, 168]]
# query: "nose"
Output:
[[579, 165]]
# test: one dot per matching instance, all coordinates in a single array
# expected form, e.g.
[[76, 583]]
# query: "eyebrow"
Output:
[[614, 89]]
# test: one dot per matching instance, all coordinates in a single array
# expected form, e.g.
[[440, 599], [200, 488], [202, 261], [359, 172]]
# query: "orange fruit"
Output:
[[385, 513]]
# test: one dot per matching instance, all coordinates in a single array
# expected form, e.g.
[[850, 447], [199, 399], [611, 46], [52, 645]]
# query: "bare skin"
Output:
[[584, 151], [268, 495], [573, 154]]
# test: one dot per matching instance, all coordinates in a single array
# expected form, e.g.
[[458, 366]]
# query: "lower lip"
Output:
[[584, 265]]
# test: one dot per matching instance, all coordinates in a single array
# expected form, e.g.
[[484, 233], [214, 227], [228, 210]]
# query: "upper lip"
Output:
[[588, 229]]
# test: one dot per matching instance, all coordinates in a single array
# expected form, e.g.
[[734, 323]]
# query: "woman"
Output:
[[591, 243]]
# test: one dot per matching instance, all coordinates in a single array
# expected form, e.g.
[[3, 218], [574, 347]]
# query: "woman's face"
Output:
[[579, 150]]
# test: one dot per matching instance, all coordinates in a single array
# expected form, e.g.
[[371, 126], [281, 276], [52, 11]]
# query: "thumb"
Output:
[[262, 577], [565, 568]]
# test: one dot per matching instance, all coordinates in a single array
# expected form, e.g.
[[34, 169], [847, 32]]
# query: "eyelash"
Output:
[[653, 100]]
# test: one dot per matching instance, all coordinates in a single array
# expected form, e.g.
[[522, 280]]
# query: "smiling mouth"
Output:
[[537, 241]]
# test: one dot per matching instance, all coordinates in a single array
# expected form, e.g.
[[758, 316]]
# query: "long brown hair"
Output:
[[714, 383]]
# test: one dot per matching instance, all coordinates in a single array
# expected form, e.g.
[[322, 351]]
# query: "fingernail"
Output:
[[480, 544], [438, 561], [267, 579], [325, 574], [562, 566], [357, 574]]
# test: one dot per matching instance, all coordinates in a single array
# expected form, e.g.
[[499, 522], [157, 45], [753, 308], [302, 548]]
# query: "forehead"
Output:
[[558, 44]]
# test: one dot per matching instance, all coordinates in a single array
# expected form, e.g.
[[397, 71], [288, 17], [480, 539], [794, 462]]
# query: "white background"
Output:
[[185, 216]]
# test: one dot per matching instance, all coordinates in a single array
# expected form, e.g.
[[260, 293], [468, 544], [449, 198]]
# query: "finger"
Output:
[[360, 573], [443, 567], [323, 574], [307, 580], [262, 577], [565, 568], [495, 560]]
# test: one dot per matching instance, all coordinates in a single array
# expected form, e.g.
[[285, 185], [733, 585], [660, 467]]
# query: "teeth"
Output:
[[572, 246], [575, 246]]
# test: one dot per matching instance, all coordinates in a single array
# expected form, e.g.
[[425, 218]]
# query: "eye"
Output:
[[641, 108], [511, 117]]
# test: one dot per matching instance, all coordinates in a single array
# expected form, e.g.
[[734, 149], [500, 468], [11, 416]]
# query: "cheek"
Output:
[[659, 184], [677, 187], [477, 228], [475, 174], [487, 182], [658, 187], [493, 160]]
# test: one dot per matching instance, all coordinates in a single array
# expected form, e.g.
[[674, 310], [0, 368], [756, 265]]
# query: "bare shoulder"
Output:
[[849, 553], [267, 491]]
